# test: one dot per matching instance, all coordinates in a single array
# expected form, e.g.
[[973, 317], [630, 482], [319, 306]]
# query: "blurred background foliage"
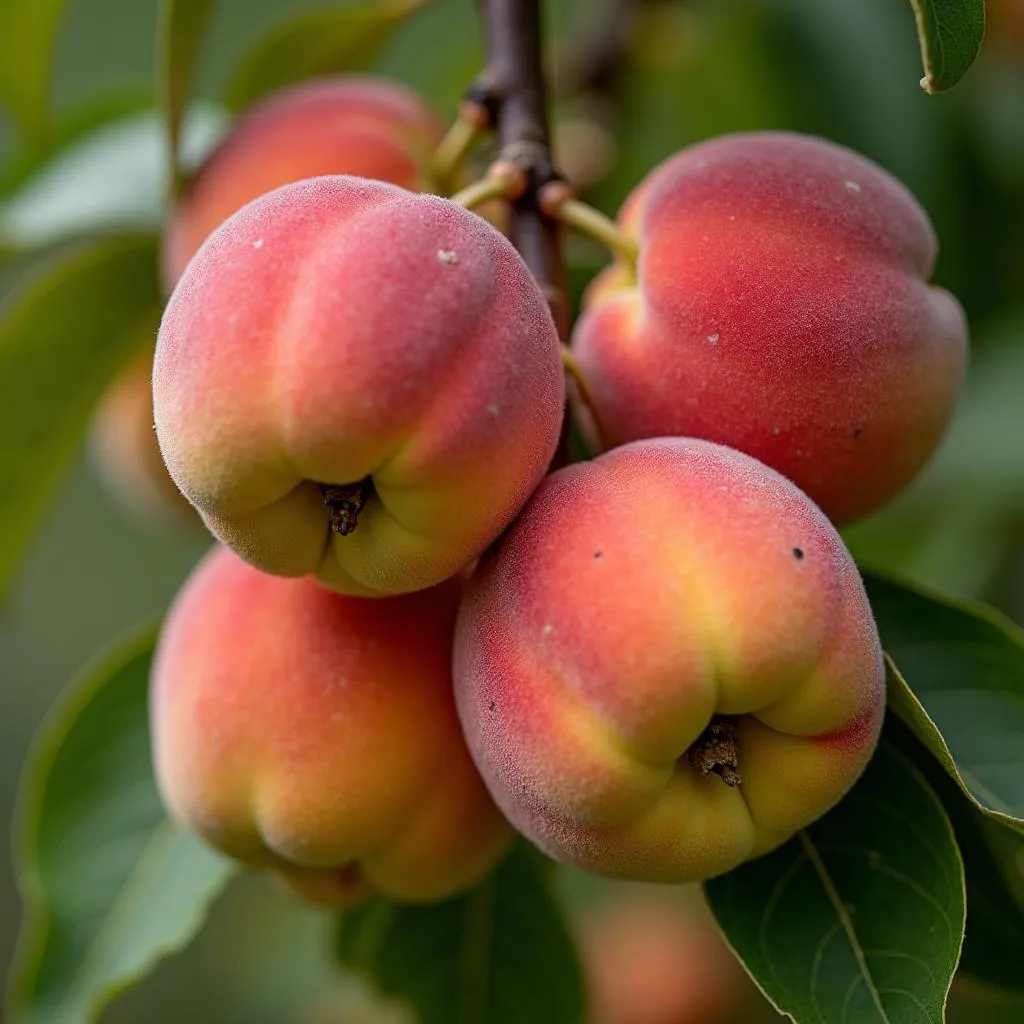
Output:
[[675, 71]]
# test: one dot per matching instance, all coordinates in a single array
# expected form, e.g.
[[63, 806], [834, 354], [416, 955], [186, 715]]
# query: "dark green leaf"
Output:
[[861, 917], [316, 43], [28, 32], [993, 858], [994, 863], [960, 686], [183, 24], [109, 885], [499, 955], [950, 32], [64, 332]]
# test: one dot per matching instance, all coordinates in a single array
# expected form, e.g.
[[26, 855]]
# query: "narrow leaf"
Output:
[[499, 955], [109, 885], [861, 917], [64, 332], [183, 24], [959, 684], [316, 43], [950, 33], [28, 33]]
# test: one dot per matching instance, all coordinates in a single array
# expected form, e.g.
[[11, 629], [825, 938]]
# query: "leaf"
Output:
[[860, 918], [950, 32], [993, 857], [28, 34], [183, 23], [994, 864], [315, 43], [109, 885], [499, 955], [64, 333], [113, 179], [959, 683]]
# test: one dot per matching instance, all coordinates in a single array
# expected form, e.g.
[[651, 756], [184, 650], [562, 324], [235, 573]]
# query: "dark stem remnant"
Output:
[[515, 80], [716, 751], [344, 503]]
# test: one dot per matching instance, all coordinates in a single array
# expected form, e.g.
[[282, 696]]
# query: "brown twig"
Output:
[[515, 79]]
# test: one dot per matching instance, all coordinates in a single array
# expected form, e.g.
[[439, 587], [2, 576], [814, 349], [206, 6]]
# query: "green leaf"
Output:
[[860, 917], [28, 33], [109, 885], [950, 32], [993, 857], [316, 43], [994, 864], [498, 955], [64, 333], [113, 179], [183, 24], [959, 683]]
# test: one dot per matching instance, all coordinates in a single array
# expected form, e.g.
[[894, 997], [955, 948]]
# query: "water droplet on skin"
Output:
[[258, 244], [448, 256]]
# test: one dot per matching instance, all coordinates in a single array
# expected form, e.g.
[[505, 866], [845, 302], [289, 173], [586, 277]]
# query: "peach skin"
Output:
[[348, 124], [357, 382], [316, 735], [653, 958], [668, 665], [779, 305]]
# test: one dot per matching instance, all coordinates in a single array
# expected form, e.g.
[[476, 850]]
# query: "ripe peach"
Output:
[[359, 382], [315, 734], [669, 664], [655, 959], [360, 125], [125, 449], [779, 305]]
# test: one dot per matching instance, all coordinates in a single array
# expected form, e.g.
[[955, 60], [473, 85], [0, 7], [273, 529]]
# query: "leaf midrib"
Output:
[[832, 893]]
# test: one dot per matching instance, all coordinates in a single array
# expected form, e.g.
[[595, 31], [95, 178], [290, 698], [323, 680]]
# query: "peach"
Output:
[[349, 124], [779, 305], [654, 959], [357, 382], [124, 446], [669, 664], [314, 734]]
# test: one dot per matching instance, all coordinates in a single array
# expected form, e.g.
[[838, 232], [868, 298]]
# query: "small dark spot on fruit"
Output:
[[858, 432], [798, 554], [598, 555], [492, 706]]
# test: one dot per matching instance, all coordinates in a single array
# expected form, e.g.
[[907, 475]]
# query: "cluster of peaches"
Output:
[[656, 664]]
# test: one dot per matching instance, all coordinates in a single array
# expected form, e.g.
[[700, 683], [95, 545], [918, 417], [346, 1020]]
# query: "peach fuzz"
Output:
[[638, 599], [355, 124], [340, 331], [779, 305], [314, 734]]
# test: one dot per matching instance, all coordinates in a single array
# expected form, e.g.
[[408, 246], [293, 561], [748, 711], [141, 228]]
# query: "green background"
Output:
[[847, 69]]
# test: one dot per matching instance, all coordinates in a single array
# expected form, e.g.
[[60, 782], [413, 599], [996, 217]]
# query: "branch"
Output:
[[515, 79]]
